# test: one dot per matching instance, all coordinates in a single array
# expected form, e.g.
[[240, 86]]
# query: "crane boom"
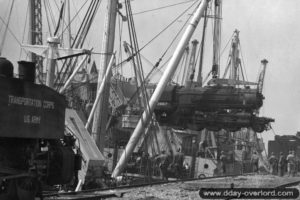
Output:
[[217, 39], [170, 69], [261, 77]]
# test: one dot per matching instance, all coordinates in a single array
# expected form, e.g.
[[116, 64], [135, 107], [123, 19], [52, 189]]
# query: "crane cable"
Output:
[[243, 66], [120, 26], [273, 130], [80, 37], [76, 42], [150, 41], [24, 29], [6, 28], [160, 59], [157, 35], [49, 16], [134, 46], [60, 18], [163, 7], [174, 39]]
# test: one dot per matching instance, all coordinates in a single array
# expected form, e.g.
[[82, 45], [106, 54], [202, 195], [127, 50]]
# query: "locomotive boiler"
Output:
[[34, 149], [212, 107]]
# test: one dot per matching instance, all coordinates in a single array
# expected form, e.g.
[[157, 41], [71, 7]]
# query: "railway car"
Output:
[[34, 149], [284, 144]]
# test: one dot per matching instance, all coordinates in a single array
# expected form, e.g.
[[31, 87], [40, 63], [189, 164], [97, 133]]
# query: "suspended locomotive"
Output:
[[34, 149], [212, 107]]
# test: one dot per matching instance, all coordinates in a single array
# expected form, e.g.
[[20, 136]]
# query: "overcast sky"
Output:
[[268, 29]]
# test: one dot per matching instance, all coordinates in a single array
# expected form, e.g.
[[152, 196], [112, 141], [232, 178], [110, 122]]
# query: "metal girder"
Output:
[[36, 35]]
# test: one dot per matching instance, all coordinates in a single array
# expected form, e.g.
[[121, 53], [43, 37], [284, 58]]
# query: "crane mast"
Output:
[[261, 77], [217, 39], [199, 76], [36, 36], [191, 67], [101, 114], [235, 60]]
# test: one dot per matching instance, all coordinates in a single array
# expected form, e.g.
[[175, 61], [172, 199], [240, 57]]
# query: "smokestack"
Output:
[[27, 71]]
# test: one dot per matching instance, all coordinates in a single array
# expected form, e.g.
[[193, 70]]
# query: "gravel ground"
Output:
[[190, 190]]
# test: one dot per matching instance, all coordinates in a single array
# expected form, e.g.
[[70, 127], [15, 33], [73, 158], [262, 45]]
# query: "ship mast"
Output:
[[191, 67], [67, 2], [36, 37], [199, 76], [235, 61], [101, 113], [217, 39]]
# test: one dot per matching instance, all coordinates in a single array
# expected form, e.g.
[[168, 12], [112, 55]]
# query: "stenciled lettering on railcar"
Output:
[[30, 102], [32, 119]]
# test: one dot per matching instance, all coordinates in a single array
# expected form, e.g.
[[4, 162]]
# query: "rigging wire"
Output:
[[51, 13], [80, 37], [138, 65], [57, 7], [74, 5], [230, 39], [158, 34], [273, 130], [160, 59], [5, 31], [9, 30], [47, 18], [172, 79], [202, 46], [59, 18], [176, 36], [84, 25], [7, 9], [76, 16], [120, 26], [48, 7], [243, 66], [179, 69], [197, 57], [163, 7], [167, 26], [159, 69], [26, 18], [127, 59], [228, 62], [169, 46]]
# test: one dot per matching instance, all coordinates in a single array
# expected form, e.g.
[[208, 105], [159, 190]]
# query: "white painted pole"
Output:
[[100, 91], [73, 74], [68, 23], [50, 67], [172, 65], [101, 113]]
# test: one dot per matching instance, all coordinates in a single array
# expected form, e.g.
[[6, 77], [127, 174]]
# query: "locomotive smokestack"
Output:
[[6, 68], [27, 71]]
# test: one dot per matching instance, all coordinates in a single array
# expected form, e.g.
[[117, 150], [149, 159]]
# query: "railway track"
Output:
[[121, 190]]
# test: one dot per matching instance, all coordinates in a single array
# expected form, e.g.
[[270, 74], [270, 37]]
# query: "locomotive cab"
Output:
[[33, 146]]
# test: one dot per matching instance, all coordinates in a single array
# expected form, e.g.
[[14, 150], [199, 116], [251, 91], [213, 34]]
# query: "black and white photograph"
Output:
[[149, 100]]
